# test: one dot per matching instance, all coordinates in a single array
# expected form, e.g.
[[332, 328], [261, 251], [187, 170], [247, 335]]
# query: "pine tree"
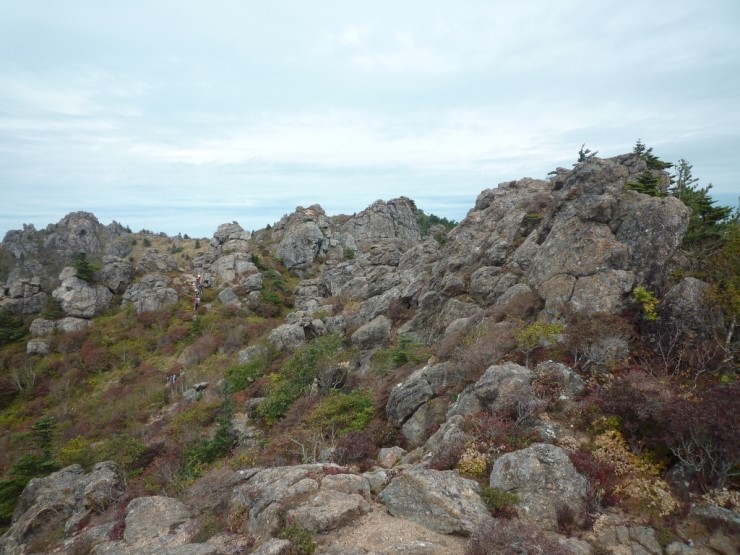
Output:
[[649, 182], [85, 270], [707, 223], [683, 179]]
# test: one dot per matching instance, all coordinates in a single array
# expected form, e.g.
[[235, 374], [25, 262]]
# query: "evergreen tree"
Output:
[[683, 180], [85, 270], [649, 182], [707, 223], [11, 327], [585, 154]]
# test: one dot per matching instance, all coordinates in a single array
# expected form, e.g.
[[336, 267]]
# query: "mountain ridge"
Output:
[[436, 345]]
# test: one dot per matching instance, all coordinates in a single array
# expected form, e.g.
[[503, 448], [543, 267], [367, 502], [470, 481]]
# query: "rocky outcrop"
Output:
[[116, 273], [230, 237], [395, 219], [153, 261], [579, 242], [61, 500], [152, 292], [80, 299], [23, 296], [79, 232], [529, 250], [311, 496]]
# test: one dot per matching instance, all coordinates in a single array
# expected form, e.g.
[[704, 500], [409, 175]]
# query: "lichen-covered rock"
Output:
[[418, 388], [60, 500], [327, 510], [232, 267], [116, 273], [157, 520], [153, 261], [395, 219], [684, 308], [152, 292], [287, 337], [22, 296], [80, 299], [300, 246], [439, 500], [375, 333], [501, 387], [545, 481]]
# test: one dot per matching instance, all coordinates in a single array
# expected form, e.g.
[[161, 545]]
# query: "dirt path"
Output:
[[379, 533]]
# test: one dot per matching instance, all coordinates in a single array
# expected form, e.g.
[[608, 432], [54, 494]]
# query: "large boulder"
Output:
[[230, 237], [442, 501], [156, 520], [287, 337], [271, 496], [153, 261], [300, 246], [684, 308], [406, 397], [233, 266], [152, 292], [545, 481], [327, 510], [116, 273], [375, 333], [80, 299], [501, 387]]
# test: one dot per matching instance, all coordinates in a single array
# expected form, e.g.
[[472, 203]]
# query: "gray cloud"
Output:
[[185, 115]]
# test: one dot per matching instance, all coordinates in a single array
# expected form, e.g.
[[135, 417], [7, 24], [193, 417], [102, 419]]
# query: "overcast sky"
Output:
[[177, 116]]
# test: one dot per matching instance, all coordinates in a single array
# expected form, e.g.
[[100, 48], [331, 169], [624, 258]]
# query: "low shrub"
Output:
[[473, 463], [341, 413], [497, 432], [241, 376], [356, 448], [501, 503], [302, 540], [207, 451]]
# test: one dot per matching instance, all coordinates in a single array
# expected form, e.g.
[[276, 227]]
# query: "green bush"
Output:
[[52, 309], [341, 413], [11, 327], [240, 376], [426, 221], [405, 350], [535, 335], [302, 540], [207, 451], [497, 499], [297, 375], [647, 301], [80, 451]]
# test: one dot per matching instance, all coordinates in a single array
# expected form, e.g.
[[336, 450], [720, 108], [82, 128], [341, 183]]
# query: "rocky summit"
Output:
[[381, 383]]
